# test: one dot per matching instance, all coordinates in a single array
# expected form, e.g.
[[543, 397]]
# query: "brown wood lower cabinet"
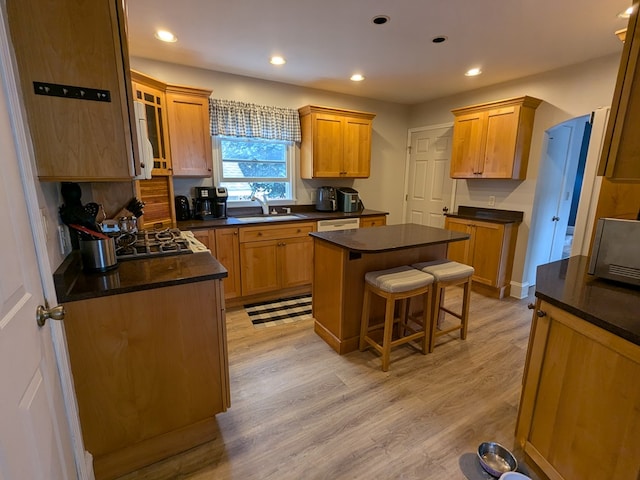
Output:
[[150, 372], [579, 410], [223, 244], [489, 251], [276, 257]]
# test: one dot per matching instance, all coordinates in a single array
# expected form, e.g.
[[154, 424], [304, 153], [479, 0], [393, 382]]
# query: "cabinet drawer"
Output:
[[272, 232]]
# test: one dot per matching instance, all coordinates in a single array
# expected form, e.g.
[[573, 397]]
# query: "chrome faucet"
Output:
[[263, 203]]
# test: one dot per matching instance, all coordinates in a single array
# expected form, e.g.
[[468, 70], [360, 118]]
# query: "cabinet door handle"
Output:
[[539, 313]]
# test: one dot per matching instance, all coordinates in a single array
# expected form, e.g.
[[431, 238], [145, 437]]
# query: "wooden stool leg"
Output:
[[435, 316], [427, 315], [364, 322], [405, 303], [465, 309], [387, 336]]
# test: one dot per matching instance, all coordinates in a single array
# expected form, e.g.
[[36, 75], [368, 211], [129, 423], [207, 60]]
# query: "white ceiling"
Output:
[[326, 41]]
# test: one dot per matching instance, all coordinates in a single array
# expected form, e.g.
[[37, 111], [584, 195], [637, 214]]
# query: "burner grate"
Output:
[[151, 243]]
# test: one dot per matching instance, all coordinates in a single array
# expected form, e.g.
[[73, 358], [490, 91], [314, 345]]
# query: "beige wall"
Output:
[[566, 93], [382, 191]]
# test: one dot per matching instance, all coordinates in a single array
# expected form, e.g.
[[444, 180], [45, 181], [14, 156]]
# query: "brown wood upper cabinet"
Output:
[[189, 131], [335, 143], [178, 126], [492, 140], [81, 45], [619, 159], [151, 92]]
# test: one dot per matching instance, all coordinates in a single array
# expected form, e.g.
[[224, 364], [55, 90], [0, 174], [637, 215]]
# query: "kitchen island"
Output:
[[579, 415], [148, 352], [341, 260]]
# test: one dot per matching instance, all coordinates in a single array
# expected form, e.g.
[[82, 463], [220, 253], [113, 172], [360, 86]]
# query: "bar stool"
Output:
[[448, 273], [399, 283]]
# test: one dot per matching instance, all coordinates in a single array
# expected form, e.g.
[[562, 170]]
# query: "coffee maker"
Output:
[[203, 203], [220, 196]]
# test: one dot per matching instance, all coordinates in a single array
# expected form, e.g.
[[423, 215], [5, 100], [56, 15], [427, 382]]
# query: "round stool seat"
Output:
[[398, 279], [445, 270]]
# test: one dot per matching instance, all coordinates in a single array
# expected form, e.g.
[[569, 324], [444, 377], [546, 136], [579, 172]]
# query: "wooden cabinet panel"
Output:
[[151, 92], [79, 44], [357, 147], [489, 251], [493, 140], [376, 221], [501, 136], [581, 394], [275, 257], [159, 208], [619, 158], [296, 262], [150, 372], [328, 144], [335, 143], [259, 262], [467, 145], [228, 254], [208, 239], [189, 131], [459, 251]]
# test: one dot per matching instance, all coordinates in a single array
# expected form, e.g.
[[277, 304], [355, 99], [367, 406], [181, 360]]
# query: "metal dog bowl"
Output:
[[496, 459]]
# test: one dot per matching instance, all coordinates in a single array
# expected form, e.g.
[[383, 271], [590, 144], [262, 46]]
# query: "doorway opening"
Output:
[[558, 189]]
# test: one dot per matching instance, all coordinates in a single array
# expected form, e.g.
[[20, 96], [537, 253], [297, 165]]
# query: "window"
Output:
[[248, 166]]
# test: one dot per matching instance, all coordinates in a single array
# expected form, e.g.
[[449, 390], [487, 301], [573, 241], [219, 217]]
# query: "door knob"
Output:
[[445, 209], [55, 313], [555, 219]]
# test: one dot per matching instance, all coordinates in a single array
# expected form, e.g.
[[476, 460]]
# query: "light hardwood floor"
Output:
[[301, 411]]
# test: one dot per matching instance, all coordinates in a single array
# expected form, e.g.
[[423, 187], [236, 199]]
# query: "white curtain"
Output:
[[239, 119]]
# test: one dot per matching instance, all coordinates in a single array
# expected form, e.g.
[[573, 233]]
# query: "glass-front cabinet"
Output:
[[154, 99]]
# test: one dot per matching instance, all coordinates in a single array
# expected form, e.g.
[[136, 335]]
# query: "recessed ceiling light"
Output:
[[166, 36], [439, 39], [473, 72], [627, 13], [356, 77], [277, 60], [380, 19]]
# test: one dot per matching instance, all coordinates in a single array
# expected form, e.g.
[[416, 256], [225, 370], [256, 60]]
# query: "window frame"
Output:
[[290, 161]]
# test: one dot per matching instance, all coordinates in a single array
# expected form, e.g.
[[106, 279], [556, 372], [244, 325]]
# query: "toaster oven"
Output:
[[615, 254]]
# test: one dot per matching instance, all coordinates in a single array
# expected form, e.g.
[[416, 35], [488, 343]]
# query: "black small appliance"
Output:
[[203, 203], [182, 208], [220, 196], [326, 199], [348, 200]]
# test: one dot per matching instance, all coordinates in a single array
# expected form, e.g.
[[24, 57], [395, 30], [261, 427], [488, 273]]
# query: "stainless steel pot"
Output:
[[98, 255]]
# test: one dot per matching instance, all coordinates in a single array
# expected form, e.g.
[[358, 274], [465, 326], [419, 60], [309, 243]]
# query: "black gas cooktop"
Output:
[[151, 243]]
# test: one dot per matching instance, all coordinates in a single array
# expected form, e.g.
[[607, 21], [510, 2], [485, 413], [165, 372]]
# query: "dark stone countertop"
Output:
[[72, 284], [390, 237], [613, 306], [492, 215], [304, 214]]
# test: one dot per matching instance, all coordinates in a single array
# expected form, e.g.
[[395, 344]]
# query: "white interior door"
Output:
[[34, 435], [429, 187]]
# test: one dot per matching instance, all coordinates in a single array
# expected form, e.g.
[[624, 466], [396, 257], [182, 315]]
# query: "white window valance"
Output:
[[239, 119]]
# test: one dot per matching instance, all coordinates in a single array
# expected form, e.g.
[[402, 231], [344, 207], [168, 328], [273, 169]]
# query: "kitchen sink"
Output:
[[267, 218]]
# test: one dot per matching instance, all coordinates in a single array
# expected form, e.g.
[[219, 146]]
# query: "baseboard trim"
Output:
[[519, 290]]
